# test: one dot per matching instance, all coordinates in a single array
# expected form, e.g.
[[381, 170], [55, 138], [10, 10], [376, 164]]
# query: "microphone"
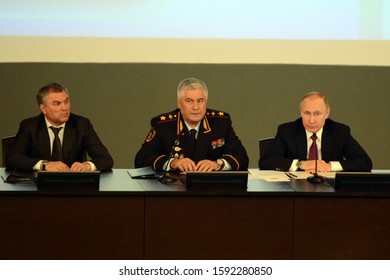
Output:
[[165, 178], [316, 179]]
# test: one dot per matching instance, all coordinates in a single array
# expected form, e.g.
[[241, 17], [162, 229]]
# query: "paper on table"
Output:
[[329, 175], [304, 175], [280, 176], [269, 175]]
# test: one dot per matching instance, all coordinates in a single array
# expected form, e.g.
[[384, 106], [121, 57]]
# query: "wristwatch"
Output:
[[299, 164], [221, 163], [44, 163]]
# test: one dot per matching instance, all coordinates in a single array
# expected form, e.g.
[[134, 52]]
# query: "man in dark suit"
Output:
[[214, 145], [331, 142], [38, 145]]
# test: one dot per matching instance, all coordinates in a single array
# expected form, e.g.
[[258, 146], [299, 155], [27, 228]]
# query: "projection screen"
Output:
[[349, 32]]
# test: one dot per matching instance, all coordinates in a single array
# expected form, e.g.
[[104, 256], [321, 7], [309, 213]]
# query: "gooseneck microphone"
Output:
[[165, 178], [316, 179]]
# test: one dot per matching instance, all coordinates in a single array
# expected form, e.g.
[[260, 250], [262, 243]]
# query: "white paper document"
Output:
[[269, 175], [281, 176]]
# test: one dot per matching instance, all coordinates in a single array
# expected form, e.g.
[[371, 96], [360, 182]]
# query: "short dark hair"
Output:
[[46, 89], [315, 93]]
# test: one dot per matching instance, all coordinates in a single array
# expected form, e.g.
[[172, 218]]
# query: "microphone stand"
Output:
[[165, 178], [316, 179]]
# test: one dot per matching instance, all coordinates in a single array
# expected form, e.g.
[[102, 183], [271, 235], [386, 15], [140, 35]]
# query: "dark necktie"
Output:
[[193, 143], [313, 152], [56, 154], [193, 135]]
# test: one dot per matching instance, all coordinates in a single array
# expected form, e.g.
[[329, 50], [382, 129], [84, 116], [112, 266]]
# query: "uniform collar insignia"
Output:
[[206, 126], [180, 124]]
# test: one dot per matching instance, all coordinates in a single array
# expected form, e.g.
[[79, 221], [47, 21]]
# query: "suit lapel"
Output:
[[68, 142], [301, 141], [44, 139], [302, 147], [326, 143]]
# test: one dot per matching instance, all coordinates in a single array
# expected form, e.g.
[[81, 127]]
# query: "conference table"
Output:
[[138, 219]]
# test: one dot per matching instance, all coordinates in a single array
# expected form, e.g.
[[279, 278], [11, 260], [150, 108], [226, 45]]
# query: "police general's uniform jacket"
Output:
[[169, 136]]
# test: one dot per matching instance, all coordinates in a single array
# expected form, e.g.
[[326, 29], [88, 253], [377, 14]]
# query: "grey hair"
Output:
[[191, 83]]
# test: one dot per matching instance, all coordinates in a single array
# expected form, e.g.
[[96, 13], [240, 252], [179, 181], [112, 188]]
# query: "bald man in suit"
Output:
[[336, 149]]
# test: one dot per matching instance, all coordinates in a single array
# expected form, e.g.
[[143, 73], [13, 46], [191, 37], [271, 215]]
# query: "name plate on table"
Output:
[[217, 180], [68, 181], [362, 181]]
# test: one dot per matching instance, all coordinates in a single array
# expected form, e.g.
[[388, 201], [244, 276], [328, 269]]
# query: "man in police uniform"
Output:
[[192, 137]]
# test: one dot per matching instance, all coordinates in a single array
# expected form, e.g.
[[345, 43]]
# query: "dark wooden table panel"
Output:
[[342, 228], [71, 227], [143, 219], [218, 227]]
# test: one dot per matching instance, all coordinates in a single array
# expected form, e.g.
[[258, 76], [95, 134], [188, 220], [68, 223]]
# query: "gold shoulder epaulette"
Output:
[[171, 116], [215, 114]]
